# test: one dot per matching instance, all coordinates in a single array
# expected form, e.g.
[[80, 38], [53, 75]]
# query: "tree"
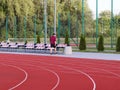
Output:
[[82, 45], [18, 9], [104, 22], [105, 14], [38, 38], [118, 44], [101, 43], [74, 8], [21, 9], [67, 41]]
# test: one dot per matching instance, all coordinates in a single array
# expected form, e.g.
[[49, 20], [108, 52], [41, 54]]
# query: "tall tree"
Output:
[[18, 9], [24, 11], [104, 22]]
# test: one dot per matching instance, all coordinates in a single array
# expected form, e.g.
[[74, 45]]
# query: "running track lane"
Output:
[[9, 75], [69, 73]]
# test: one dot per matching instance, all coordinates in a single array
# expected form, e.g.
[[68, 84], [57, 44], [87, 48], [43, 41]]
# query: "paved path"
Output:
[[104, 56]]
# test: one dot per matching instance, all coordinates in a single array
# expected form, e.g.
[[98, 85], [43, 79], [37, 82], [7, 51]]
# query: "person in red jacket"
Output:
[[53, 43]]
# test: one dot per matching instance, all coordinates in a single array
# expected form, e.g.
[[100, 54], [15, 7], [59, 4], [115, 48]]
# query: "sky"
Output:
[[104, 5]]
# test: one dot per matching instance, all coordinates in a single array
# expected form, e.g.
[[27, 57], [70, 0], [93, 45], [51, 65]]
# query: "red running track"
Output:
[[32, 72]]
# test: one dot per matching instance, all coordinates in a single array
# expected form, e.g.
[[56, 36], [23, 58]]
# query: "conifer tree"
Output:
[[101, 43], [82, 45], [118, 44]]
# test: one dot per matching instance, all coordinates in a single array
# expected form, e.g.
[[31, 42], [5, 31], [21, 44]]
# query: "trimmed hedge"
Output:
[[38, 39], [82, 45], [101, 43], [67, 41], [118, 44], [26, 42]]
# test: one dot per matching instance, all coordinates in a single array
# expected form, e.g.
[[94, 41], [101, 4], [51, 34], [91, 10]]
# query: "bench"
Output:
[[29, 47]]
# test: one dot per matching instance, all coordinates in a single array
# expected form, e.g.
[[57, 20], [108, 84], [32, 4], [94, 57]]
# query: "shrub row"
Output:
[[100, 45]]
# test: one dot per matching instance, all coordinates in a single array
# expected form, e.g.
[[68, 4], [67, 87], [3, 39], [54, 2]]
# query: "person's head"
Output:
[[54, 34]]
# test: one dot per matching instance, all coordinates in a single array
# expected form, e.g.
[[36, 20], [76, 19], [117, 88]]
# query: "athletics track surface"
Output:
[[39, 72]]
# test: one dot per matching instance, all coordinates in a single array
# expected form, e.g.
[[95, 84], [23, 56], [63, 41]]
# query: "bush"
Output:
[[100, 44], [82, 45], [67, 41], [118, 44], [38, 39], [26, 42]]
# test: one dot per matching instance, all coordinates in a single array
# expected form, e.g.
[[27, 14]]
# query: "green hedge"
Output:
[[67, 41], [82, 45], [118, 44], [38, 39], [101, 43]]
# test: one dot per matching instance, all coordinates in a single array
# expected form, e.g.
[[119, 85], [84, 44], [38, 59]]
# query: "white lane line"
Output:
[[94, 88], [58, 78], [87, 75], [102, 70], [53, 88], [94, 84], [96, 69], [26, 76]]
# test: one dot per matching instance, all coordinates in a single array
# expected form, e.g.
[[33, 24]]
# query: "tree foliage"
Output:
[[67, 38], [16, 10], [118, 44], [101, 43], [38, 39], [82, 45], [21, 14]]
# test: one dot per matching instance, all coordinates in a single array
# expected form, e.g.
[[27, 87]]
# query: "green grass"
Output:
[[107, 50]]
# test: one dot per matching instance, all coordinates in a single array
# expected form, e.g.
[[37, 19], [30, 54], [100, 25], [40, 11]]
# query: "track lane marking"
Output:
[[26, 75], [94, 84], [108, 71], [111, 73], [97, 69], [58, 78], [53, 88]]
